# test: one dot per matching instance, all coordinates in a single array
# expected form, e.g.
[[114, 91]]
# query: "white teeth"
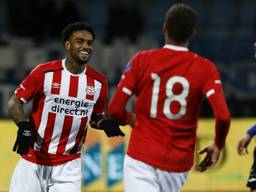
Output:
[[84, 52]]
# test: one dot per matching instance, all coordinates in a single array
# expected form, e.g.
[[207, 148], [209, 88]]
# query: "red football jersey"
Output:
[[62, 107], [169, 84]]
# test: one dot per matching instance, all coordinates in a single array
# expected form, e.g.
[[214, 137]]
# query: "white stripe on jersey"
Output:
[[58, 125], [73, 133], [210, 92], [81, 87], [57, 130], [76, 121], [47, 87], [81, 144], [98, 87]]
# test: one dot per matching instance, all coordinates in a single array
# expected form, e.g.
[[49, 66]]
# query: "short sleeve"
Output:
[[30, 85]]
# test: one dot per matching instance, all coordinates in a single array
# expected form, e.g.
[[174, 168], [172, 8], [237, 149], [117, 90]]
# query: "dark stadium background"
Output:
[[30, 34]]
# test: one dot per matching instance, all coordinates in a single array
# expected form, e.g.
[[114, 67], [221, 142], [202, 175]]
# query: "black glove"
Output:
[[25, 138], [111, 127]]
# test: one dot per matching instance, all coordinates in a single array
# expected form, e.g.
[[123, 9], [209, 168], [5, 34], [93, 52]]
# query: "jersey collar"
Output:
[[64, 67], [176, 48]]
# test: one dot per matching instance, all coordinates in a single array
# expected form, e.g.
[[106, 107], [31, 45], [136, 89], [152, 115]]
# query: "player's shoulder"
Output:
[[202, 60], [96, 75], [145, 53], [48, 67], [151, 53]]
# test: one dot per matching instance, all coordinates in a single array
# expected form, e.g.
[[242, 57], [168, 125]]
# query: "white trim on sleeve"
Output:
[[210, 92], [23, 100], [217, 81], [127, 91], [22, 87]]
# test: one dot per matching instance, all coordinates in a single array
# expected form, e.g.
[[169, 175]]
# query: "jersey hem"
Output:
[[177, 168], [49, 159]]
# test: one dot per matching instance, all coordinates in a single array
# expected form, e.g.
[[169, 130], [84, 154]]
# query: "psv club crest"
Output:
[[90, 90]]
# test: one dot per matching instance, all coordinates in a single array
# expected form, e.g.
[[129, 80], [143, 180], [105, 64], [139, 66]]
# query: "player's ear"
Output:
[[164, 29], [67, 45]]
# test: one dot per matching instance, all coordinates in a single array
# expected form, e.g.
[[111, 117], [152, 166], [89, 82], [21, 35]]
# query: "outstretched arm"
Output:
[[222, 123], [116, 108], [109, 125], [211, 158], [245, 141], [243, 144]]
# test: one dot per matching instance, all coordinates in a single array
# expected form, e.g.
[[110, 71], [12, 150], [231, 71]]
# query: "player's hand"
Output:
[[242, 145], [25, 138], [111, 127], [211, 158]]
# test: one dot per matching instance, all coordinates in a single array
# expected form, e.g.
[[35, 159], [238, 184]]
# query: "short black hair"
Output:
[[76, 26], [181, 22]]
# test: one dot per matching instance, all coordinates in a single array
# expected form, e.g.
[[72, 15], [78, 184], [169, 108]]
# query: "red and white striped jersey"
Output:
[[62, 107]]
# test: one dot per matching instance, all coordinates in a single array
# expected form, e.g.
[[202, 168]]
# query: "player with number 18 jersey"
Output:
[[169, 84]]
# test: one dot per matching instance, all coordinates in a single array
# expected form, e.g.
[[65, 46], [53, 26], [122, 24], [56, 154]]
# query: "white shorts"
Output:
[[139, 176], [31, 177]]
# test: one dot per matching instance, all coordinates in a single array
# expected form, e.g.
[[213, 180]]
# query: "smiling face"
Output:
[[79, 46]]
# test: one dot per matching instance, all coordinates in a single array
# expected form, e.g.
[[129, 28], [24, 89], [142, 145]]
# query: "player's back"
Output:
[[170, 85]]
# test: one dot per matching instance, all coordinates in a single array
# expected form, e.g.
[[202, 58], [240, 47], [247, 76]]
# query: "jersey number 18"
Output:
[[170, 96]]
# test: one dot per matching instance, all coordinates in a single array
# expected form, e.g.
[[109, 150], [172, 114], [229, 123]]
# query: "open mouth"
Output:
[[84, 53]]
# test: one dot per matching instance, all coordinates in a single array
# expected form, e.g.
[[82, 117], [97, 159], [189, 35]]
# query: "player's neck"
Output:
[[73, 67], [171, 42]]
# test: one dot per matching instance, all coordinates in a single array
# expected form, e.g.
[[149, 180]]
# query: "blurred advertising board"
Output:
[[102, 160], [230, 175]]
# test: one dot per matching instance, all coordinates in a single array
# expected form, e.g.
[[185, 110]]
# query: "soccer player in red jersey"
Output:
[[67, 95], [169, 84]]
